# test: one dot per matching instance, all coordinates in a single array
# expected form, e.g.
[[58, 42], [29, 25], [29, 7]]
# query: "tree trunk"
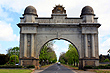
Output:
[[74, 63]]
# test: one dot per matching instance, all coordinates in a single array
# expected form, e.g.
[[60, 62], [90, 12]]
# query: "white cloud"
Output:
[[105, 46], [6, 33], [55, 47], [67, 43]]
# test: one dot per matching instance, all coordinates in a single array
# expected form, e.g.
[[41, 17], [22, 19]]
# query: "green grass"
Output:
[[101, 71], [15, 71]]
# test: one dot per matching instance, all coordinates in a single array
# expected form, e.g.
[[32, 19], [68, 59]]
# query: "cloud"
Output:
[[105, 46], [6, 33], [66, 43], [55, 47]]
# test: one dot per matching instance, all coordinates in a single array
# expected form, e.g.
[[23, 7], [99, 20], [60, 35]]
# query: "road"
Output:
[[57, 69]]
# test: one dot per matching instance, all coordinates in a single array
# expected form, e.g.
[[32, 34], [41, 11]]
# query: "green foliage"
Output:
[[62, 58], [10, 66], [12, 59], [30, 66], [47, 55], [3, 59], [70, 57], [13, 51], [97, 67], [88, 67], [106, 60]]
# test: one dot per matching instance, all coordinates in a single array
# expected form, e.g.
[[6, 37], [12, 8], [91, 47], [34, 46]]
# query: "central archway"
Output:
[[61, 39], [59, 50]]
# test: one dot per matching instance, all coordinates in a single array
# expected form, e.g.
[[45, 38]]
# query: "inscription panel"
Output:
[[54, 29], [92, 63], [59, 19], [27, 62], [28, 30]]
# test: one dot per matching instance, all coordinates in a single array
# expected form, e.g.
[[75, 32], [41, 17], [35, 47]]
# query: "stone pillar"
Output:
[[37, 64], [32, 45], [93, 46], [25, 45], [86, 46]]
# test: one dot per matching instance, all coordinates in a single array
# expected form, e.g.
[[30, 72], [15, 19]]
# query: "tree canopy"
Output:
[[70, 57], [12, 51], [47, 54]]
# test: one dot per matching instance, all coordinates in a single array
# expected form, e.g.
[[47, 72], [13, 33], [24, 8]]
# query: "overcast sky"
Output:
[[11, 10]]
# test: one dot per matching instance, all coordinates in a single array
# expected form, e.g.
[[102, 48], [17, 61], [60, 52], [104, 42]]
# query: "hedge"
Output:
[[4, 59], [97, 67], [10, 66], [30, 66]]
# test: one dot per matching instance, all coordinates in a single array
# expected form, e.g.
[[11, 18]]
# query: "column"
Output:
[[32, 45], [93, 46], [86, 46], [25, 45]]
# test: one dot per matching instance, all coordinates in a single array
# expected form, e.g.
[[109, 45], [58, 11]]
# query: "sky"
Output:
[[12, 10]]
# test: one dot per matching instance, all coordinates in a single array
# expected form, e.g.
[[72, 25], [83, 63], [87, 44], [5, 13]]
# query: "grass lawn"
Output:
[[102, 71], [15, 71]]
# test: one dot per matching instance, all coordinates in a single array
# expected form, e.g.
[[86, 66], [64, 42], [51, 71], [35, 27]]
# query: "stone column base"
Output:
[[29, 61], [37, 67], [91, 62]]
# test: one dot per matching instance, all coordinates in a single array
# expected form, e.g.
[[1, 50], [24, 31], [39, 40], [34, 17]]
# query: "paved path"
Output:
[[55, 69]]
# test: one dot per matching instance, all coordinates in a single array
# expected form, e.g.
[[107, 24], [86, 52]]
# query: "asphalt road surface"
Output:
[[57, 69]]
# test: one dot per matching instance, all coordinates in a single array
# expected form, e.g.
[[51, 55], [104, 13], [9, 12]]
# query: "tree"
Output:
[[63, 58], [12, 59], [47, 54], [108, 51], [12, 51], [3, 59], [106, 60], [70, 57]]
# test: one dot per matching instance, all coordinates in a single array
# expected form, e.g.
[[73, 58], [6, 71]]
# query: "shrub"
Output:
[[108, 65], [88, 67], [101, 67], [30, 66], [97, 67], [10, 66], [106, 60], [12, 59]]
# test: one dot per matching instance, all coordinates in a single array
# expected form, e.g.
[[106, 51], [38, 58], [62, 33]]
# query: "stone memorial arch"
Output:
[[81, 31]]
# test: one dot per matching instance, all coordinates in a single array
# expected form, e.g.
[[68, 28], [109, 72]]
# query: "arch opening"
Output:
[[56, 47]]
